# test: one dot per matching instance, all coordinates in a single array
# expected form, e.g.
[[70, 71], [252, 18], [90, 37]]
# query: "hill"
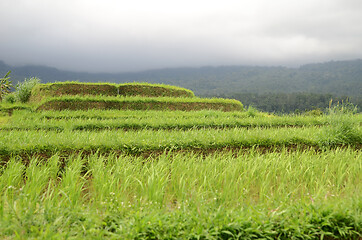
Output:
[[336, 79]]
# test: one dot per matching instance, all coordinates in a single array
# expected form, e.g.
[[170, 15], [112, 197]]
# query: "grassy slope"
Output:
[[136, 96], [42, 91], [139, 103]]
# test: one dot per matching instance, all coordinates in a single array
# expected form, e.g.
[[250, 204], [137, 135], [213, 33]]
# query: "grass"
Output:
[[136, 175], [45, 142], [42, 91], [133, 120], [133, 96], [139, 103], [277, 195], [116, 114], [153, 90], [154, 132]]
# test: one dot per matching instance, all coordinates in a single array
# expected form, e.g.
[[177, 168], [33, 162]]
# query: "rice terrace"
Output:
[[153, 161]]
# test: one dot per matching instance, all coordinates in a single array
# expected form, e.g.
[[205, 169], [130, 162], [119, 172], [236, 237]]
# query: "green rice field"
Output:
[[132, 174]]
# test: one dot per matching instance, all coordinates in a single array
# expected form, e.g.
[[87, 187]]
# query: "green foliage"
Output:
[[314, 112], [145, 140], [153, 90], [179, 175], [343, 131], [57, 89], [344, 128], [139, 103], [10, 98], [342, 107], [251, 111], [23, 90], [303, 195], [107, 89], [289, 102], [96, 119], [5, 85]]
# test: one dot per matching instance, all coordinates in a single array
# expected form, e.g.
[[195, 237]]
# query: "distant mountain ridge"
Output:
[[340, 78]]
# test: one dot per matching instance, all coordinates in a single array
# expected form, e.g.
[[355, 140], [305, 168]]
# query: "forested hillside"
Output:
[[292, 102], [267, 88]]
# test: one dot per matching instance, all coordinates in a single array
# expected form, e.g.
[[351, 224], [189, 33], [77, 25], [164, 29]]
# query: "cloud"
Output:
[[110, 35]]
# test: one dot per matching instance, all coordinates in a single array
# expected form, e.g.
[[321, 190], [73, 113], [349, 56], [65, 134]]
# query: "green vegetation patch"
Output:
[[10, 108], [148, 141], [58, 89], [277, 195], [153, 90], [96, 119], [139, 103], [3, 119]]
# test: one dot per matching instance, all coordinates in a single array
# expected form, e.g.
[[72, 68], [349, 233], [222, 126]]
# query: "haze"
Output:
[[118, 36]]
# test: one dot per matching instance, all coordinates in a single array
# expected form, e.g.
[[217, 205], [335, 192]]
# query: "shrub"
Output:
[[23, 90], [343, 129], [251, 111], [344, 107], [314, 112], [5, 85], [10, 98]]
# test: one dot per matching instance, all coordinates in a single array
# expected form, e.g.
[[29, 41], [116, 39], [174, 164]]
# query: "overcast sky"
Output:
[[130, 35]]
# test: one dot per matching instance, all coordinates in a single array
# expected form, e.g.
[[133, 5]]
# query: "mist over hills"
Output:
[[331, 79]]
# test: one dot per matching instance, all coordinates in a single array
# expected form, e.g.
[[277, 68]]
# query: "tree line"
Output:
[[292, 102]]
